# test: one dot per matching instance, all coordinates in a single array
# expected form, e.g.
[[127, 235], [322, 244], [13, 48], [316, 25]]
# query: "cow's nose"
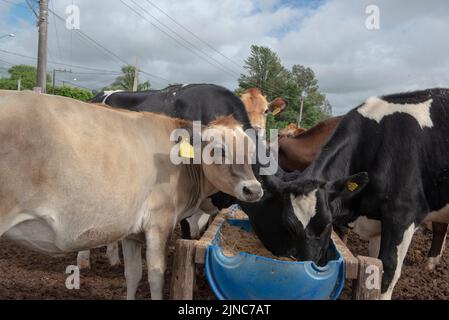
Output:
[[252, 191]]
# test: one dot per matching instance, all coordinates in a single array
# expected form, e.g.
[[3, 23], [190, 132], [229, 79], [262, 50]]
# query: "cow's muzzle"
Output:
[[249, 191]]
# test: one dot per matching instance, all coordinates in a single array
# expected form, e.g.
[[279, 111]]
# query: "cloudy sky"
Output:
[[192, 41]]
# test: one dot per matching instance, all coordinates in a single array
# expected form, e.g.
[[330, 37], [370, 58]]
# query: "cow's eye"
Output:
[[218, 151], [267, 112]]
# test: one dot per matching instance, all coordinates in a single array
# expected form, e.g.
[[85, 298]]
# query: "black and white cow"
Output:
[[196, 102], [384, 171]]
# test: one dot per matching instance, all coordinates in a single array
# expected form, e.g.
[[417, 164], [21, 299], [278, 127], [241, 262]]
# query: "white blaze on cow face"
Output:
[[376, 109], [304, 207]]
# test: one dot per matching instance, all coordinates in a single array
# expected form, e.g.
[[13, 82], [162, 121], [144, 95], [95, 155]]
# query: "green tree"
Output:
[[74, 93], [304, 78], [264, 71], [8, 84], [126, 81], [306, 84], [26, 75]]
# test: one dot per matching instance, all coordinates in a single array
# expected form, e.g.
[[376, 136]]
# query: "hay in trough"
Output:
[[235, 240]]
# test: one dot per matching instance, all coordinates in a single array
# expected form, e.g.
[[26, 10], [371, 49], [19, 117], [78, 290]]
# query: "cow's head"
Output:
[[292, 130], [308, 210], [258, 107], [227, 155]]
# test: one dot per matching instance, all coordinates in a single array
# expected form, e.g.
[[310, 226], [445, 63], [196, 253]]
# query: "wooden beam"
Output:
[[351, 262], [183, 272], [369, 281], [207, 238]]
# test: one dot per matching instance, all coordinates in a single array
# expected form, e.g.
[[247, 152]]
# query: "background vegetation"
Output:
[[263, 69]]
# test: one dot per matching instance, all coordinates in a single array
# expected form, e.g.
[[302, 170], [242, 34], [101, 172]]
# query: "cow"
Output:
[[298, 152], [257, 107], [197, 102], [384, 172], [77, 176], [291, 131]]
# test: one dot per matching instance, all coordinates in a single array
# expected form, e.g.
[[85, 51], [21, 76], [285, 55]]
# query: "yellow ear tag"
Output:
[[186, 150], [352, 186], [276, 111]]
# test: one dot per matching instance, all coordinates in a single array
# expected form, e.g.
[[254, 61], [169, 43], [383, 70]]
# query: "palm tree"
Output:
[[126, 81]]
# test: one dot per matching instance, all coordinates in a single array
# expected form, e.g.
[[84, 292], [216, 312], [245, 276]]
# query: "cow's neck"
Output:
[[196, 180], [338, 157], [199, 188]]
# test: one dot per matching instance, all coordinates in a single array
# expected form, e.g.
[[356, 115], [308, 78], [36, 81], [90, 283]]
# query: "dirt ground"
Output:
[[29, 275]]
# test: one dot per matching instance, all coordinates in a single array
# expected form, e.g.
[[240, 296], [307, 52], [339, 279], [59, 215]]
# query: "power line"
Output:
[[106, 49], [56, 30], [75, 85], [169, 35], [97, 45], [60, 63], [265, 88], [187, 41], [15, 3], [194, 35]]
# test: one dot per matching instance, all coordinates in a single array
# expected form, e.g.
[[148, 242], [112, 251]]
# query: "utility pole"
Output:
[[54, 76], [302, 98], [136, 77], [42, 47], [19, 84]]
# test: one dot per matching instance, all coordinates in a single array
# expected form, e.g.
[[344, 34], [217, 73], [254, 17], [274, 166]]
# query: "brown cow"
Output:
[[258, 107], [76, 176], [297, 153], [292, 130]]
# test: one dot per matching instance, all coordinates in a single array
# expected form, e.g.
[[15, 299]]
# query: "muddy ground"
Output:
[[29, 275]]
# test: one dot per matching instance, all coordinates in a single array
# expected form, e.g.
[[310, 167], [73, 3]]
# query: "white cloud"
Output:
[[351, 62]]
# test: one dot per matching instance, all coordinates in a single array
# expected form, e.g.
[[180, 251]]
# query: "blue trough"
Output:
[[251, 277]]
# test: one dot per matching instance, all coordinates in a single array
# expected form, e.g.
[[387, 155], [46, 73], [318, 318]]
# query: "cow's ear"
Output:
[[277, 106], [349, 187]]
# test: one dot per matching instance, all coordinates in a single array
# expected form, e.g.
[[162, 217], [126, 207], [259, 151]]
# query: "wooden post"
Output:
[[369, 281], [183, 277], [351, 262]]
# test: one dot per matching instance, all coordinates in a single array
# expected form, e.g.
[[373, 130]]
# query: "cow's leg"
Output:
[[156, 238], [374, 247], [132, 258], [112, 252], [194, 226], [395, 241], [83, 259], [439, 231]]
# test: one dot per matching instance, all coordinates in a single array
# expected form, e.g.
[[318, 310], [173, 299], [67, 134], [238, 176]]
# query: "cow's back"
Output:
[[402, 142], [195, 102]]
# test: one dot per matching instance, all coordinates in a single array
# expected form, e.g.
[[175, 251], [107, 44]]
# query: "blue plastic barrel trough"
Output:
[[251, 277]]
